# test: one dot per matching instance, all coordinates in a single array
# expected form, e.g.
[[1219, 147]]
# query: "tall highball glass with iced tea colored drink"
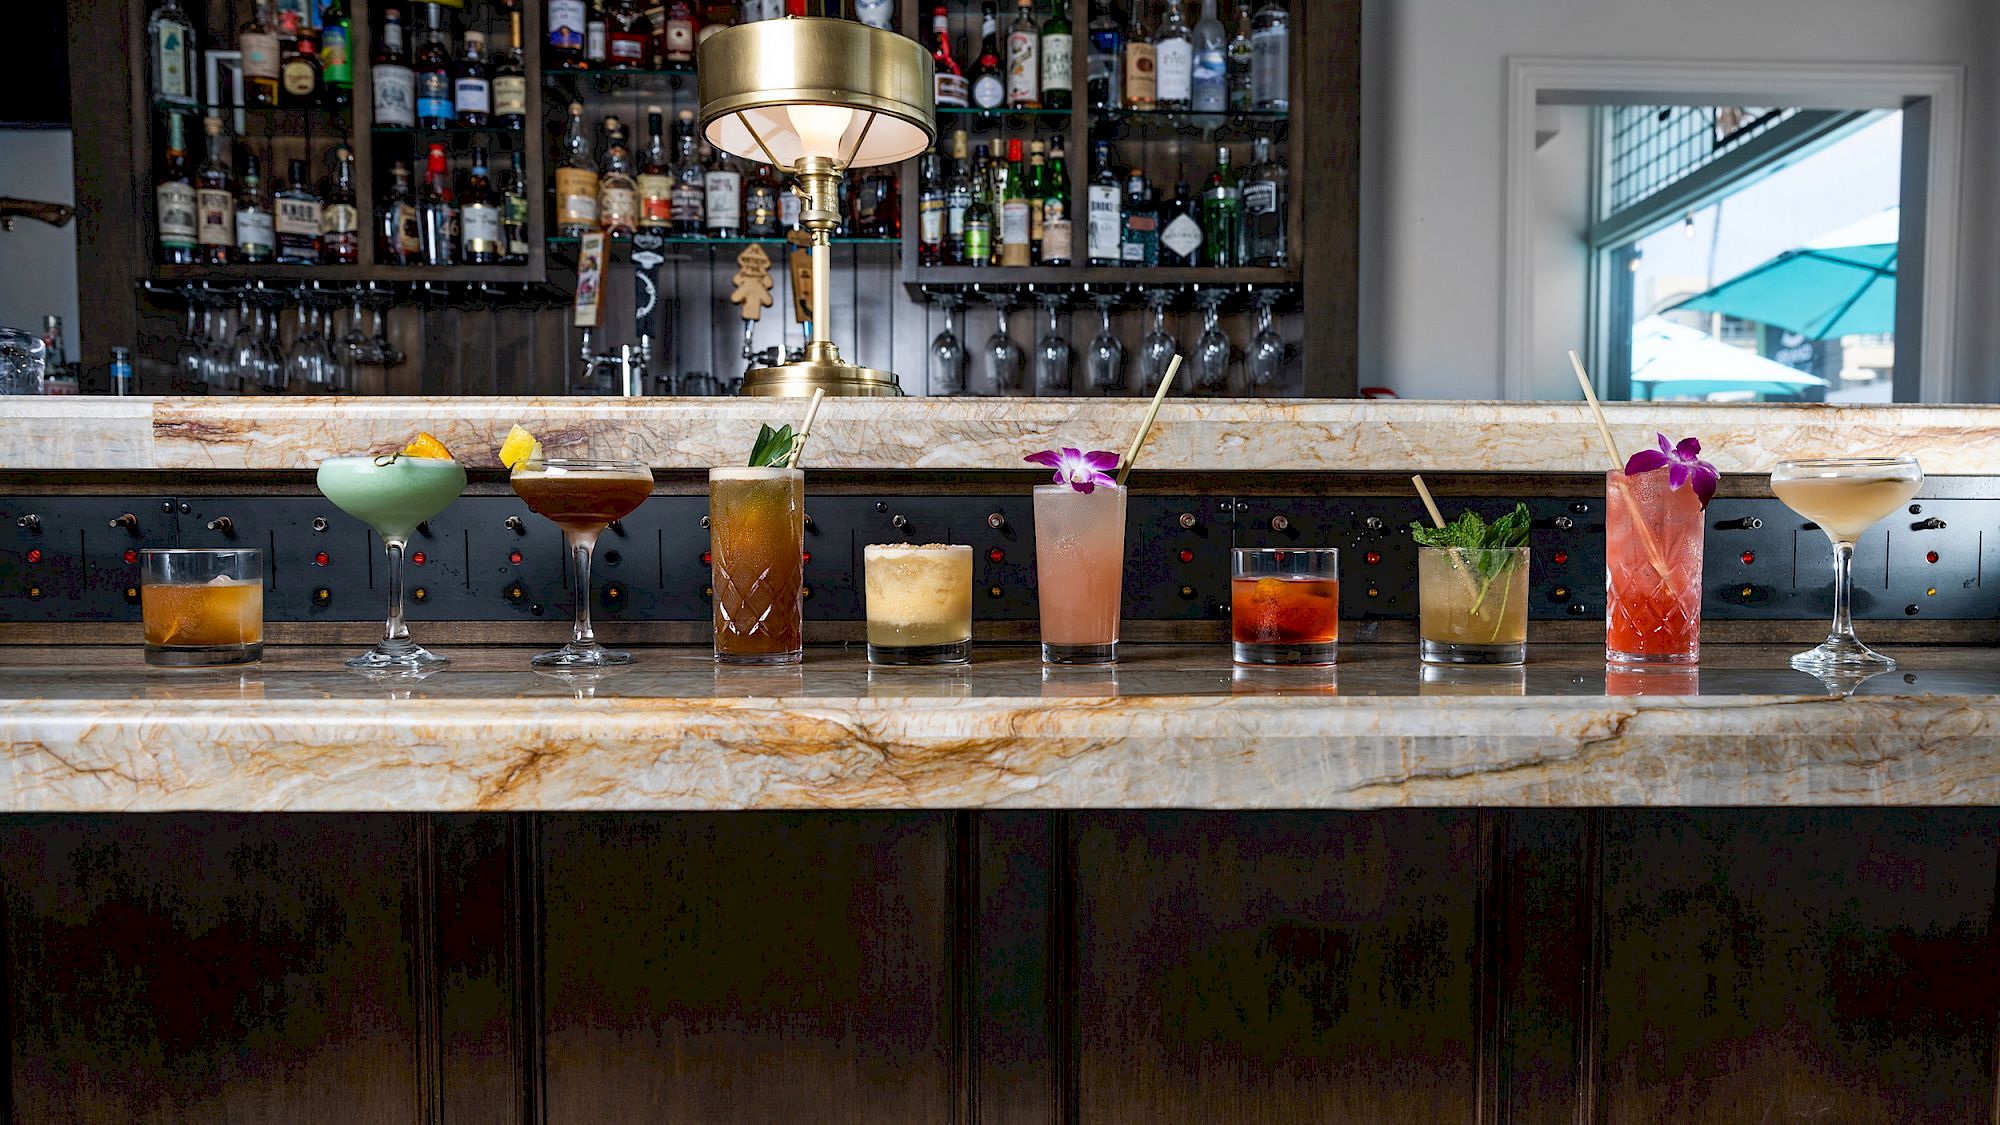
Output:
[[1080, 571], [1652, 569], [1845, 497], [582, 496], [756, 545], [202, 607], [919, 603]]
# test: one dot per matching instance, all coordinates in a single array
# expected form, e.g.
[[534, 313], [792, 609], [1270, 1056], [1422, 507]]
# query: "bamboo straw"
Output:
[[1152, 412], [1430, 505], [805, 427], [1617, 481]]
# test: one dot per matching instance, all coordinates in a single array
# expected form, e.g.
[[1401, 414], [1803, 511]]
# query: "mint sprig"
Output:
[[773, 448]]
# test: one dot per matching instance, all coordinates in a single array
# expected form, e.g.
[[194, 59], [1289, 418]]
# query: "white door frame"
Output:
[[1813, 85]]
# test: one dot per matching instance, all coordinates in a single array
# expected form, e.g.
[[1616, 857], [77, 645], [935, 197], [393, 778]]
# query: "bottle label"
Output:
[[339, 218], [724, 200], [255, 237], [688, 203], [409, 234], [395, 96], [1023, 71], [1270, 50], [260, 55], [1173, 64], [1014, 223], [1104, 232], [1055, 231], [335, 63], [656, 200], [1210, 82], [170, 63], [679, 39], [1141, 80], [576, 197], [930, 220], [618, 205], [179, 227], [473, 95], [628, 49], [298, 216], [1056, 62], [1182, 236], [876, 13], [300, 80], [978, 241], [566, 20], [480, 224], [217, 216], [593, 41], [515, 219], [434, 95], [954, 214], [989, 92], [510, 95], [1260, 197], [951, 89]]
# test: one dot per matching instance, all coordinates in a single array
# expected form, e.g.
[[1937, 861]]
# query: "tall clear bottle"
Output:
[[1024, 75], [1265, 209], [472, 85], [1173, 56], [576, 180], [339, 218], [1238, 57], [1104, 66], [215, 201], [1271, 56], [1142, 72], [256, 238], [171, 40], [1209, 86], [690, 192], [722, 197], [433, 65], [298, 213], [437, 212], [1104, 222]]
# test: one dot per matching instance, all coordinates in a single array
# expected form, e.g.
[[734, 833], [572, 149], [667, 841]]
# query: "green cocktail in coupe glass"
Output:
[[393, 494]]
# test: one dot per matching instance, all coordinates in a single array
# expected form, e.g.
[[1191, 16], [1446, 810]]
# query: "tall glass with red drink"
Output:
[[1652, 569]]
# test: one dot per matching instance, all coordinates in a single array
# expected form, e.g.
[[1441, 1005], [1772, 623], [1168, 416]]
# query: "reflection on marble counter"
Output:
[[1170, 727], [274, 433]]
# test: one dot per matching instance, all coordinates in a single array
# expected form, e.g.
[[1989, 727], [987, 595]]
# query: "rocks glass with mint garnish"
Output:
[[1472, 589]]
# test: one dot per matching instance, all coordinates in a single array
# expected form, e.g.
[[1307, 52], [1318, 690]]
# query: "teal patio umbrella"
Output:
[[1840, 285]]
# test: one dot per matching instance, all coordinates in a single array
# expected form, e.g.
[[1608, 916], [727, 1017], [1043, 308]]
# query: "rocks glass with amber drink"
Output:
[[202, 608], [1845, 497], [919, 603], [756, 546], [582, 496], [1284, 605], [1472, 605]]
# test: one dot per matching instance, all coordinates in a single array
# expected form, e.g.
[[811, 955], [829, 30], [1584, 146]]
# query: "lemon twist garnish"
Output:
[[427, 447], [519, 448]]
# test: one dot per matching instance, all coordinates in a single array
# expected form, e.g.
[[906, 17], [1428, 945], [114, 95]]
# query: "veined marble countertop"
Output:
[[1177, 727], [279, 433]]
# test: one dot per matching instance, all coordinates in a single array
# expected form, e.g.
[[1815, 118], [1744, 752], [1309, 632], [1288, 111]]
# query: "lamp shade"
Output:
[[786, 89]]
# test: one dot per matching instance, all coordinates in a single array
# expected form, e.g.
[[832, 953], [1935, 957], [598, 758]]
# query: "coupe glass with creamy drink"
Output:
[[393, 494], [1845, 497], [919, 603]]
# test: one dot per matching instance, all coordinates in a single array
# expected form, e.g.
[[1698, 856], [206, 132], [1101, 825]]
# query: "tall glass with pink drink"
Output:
[[1080, 571]]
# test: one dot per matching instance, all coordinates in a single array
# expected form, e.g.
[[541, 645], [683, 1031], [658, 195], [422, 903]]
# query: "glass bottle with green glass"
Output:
[[1057, 56], [1222, 215]]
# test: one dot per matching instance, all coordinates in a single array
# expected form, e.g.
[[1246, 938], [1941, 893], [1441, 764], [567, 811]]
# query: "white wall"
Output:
[[1433, 166], [37, 261]]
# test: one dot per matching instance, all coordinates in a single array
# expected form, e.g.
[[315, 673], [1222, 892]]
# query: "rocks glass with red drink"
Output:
[[1284, 605]]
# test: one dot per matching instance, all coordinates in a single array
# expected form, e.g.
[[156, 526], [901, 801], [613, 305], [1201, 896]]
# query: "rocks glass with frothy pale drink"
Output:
[[919, 603]]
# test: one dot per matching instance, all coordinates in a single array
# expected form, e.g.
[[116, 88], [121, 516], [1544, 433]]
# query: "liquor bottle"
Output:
[[472, 87], [979, 214], [576, 180], [298, 219], [437, 212], [1057, 51], [957, 199], [656, 178], [395, 82], [256, 236], [1016, 221], [1173, 59], [1270, 57], [1056, 228], [617, 191], [566, 20], [689, 202], [1238, 62], [170, 35], [596, 48], [1024, 74], [1103, 225], [1209, 85], [949, 86], [1142, 74], [398, 240], [629, 43], [761, 213], [678, 34], [1180, 229], [174, 200], [1139, 242], [1264, 209], [1104, 66], [339, 219], [877, 206], [715, 15], [514, 210], [215, 202], [1221, 215], [336, 57], [299, 75], [1037, 188], [722, 197], [930, 210], [989, 80], [510, 80], [258, 42], [482, 236], [876, 13], [433, 68]]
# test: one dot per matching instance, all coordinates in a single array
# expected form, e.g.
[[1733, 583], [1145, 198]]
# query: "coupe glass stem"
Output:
[[395, 635], [580, 549], [1843, 595]]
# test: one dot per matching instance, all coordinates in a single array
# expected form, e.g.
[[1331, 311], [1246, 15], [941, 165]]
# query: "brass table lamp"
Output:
[[816, 97]]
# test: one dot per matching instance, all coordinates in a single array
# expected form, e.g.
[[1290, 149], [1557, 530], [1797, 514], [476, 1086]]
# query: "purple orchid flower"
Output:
[[1081, 471], [1683, 464]]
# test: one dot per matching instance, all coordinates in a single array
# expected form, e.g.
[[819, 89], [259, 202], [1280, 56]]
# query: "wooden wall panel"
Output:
[[1275, 968], [748, 968]]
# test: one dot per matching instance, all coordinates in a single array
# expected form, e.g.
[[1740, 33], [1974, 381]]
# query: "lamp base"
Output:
[[801, 379]]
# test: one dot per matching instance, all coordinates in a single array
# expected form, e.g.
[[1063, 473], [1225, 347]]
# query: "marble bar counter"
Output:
[[84, 729], [1251, 435]]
